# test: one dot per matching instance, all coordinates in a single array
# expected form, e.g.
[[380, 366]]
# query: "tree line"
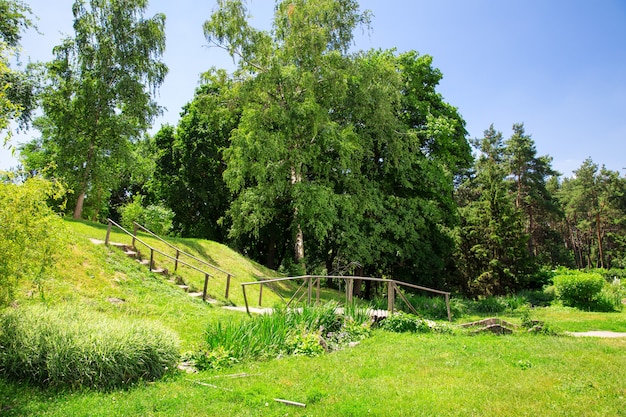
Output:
[[312, 158]]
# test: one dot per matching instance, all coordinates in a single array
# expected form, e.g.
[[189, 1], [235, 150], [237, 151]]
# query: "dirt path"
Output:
[[596, 333]]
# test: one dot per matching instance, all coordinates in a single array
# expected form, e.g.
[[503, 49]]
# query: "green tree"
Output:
[[492, 255], [528, 175], [279, 154], [190, 165], [17, 87], [98, 98], [595, 217]]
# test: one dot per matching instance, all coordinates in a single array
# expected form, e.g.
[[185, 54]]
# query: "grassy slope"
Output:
[[387, 375]]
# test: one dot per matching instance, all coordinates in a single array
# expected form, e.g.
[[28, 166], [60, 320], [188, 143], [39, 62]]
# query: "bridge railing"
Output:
[[311, 283]]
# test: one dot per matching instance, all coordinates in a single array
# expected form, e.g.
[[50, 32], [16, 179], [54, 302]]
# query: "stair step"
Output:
[[143, 261], [159, 270], [130, 253], [195, 294], [183, 287]]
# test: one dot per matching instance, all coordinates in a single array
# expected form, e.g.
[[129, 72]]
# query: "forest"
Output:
[[308, 158]]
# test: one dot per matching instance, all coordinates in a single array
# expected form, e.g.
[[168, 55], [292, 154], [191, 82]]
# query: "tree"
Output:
[[492, 254], [99, 95], [595, 216], [188, 173], [17, 87], [528, 175], [279, 154]]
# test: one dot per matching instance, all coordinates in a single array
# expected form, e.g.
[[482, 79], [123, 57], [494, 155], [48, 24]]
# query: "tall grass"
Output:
[[66, 348], [305, 331]]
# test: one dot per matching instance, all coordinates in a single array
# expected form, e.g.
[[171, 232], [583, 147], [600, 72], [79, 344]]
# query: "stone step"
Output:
[[184, 287]]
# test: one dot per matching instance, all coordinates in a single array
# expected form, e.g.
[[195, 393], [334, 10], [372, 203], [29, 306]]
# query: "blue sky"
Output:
[[558, 66]]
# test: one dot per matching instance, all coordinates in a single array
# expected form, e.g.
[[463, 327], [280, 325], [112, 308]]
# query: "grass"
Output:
[[387, 375]]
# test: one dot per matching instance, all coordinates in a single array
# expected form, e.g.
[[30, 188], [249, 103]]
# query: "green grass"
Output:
[[387, 375]]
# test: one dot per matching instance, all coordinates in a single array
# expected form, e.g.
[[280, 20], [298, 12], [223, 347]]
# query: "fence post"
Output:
[[448, 307], [391, 297], [227, 286], [260, 294], [309, 290], [135, 234], [349, 290], [206, 284], [317, 296], [106, 240], [151, 258], [245, 298], [176, 261]]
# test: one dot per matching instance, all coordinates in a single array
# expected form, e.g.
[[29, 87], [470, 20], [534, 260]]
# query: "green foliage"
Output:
[[31, 234], [156, 218], [401, 322], [578, 289], [309, 331], [98, 97], [65, 348]]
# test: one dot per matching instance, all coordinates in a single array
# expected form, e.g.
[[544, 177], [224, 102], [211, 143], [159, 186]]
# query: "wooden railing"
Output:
[[180, 253], [154, 250], [313, 281]]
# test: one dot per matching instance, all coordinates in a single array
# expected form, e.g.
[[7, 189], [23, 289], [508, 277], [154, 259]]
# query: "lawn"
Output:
[[388, 374]]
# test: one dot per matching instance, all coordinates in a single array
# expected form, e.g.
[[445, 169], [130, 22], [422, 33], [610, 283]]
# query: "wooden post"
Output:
[[206, 284], [391, 297], [317, 296], [135, 233], [309, 290], [106, 240], [245, 298], [151, 259], [176, 261], [349, 288], [227, 286], [260, 294], [448, 307]]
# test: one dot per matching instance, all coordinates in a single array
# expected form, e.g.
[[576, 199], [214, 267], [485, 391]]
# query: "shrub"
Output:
[[31, 234], [401, 322], [155, 218], [490, 305], [578, 289], [66, 348]]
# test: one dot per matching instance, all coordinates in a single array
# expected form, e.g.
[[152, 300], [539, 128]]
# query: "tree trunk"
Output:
[[296, 178], [78, 209]]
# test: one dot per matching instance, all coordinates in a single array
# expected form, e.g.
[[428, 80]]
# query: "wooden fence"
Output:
[[311, 282]]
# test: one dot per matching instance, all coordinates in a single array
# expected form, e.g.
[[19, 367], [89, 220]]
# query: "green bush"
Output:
[[490, 305], [31, 234], [401, 322], [155, 218], [62, 347], [578, 289]]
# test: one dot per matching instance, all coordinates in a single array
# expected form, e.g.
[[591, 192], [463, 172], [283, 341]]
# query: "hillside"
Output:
[[104, 279]]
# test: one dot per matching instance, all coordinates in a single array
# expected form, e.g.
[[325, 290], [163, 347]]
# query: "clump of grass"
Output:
[[65, 348], [309, 331]]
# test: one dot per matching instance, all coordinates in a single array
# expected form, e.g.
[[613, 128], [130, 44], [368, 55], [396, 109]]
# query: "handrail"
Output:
[[392, 289], [153, 249], [137, 225]]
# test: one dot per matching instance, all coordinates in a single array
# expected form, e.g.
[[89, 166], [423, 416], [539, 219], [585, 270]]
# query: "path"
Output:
[[597, 333]]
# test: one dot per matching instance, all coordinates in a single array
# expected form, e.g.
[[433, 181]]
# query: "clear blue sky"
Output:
[[558, 66]]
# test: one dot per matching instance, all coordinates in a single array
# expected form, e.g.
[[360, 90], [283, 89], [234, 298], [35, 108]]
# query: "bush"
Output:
[[31, 234], [156, 218], [490, 305], [578, 289], [66, 348], [401, 322]]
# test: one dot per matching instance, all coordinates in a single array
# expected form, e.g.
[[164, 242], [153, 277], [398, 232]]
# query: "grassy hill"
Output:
[[387, 375]]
